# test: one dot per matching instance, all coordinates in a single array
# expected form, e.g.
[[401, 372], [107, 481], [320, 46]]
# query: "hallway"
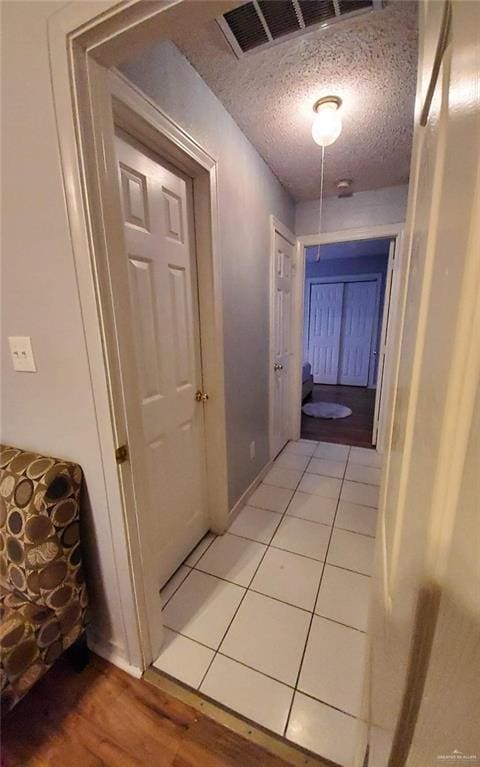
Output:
[[356, 429], [269, 619]]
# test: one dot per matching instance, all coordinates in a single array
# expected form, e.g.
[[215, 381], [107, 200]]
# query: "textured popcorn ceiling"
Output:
[[370, 62]]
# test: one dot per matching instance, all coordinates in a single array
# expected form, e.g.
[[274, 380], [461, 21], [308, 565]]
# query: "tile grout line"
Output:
[[287, 551], [274, 599], [191, 567], [251, 668], [163, 606], [319, 586], [304, 519], [324, 703], [247, 589], [268, 545], [278, 548], [316, 599]]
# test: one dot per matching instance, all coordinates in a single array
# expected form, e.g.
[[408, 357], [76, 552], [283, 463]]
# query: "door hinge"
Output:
[[121, 454]]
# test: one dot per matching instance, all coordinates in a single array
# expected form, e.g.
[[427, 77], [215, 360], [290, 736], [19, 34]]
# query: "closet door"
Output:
[[164, 314], [324, 331], [281, 342], [358, 320]]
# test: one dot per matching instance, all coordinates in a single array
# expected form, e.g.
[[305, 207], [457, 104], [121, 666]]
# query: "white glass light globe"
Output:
[[327, 124]]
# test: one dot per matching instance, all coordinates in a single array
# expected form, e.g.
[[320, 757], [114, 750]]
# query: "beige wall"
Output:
[[50, 411], [373, 208], [425, 619], [455, 656], [248, 193]]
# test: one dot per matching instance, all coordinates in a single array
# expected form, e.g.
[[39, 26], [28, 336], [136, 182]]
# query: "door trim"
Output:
[[377, 434], [374, 277], [277, 226], [134, 112], [390, 232], [117, 103], [87, 99]]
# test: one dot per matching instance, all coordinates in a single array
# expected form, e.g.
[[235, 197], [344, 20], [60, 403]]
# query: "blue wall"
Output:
[[331, 267], [341, 267]]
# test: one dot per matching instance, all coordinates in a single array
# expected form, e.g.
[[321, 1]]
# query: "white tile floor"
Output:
[[270, 618]]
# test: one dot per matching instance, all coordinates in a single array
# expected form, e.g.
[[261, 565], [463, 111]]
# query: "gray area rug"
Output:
[[326, 410]]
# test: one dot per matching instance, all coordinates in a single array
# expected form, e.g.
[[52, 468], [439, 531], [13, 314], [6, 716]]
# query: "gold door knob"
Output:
[[277, 366], [200, 396]]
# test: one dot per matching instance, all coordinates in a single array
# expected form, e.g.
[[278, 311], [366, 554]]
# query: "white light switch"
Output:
[[22, 354]]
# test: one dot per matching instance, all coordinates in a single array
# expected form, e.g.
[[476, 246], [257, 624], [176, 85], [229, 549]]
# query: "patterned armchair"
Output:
[[43, 598]]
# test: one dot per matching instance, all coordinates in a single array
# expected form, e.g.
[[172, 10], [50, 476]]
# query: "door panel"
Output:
[[164, 314], [358, 318], [424, 618], [282, 341], [324, 331]]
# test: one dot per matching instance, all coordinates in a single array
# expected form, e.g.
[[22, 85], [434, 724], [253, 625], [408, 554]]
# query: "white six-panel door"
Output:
[[358, 319], [324, 331], [164, 314], [284, 252]]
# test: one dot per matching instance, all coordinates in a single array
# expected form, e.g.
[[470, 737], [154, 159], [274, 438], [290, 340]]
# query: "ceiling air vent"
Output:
[[259, 24]]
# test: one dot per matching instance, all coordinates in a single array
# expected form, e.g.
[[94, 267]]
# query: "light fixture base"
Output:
[[336, 100], [344, 187]]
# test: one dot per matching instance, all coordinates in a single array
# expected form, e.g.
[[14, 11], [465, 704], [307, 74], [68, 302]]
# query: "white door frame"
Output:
[[374, 277], [277, 226], [383, 381], [388, 231], [89, 100]]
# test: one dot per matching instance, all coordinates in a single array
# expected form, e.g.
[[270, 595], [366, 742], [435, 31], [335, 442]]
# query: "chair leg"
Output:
[[79, 654]]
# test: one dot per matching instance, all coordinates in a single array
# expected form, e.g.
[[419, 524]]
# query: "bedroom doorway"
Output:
[[347, 299]]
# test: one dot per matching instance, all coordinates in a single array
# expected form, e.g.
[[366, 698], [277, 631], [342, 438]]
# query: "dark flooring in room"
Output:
[[104, 718], [356, 429]]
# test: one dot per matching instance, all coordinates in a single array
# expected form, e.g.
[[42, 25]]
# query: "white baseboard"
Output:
[[110, 653], [242, 501]]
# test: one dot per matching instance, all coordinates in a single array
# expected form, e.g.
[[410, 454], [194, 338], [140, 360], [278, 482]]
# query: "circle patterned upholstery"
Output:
[[43, 598]]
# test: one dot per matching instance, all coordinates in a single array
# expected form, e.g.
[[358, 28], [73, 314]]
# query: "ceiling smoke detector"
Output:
[[344, 188], [254, 26]]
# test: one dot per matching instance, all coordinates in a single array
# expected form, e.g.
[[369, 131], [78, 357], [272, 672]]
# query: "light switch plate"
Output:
[[22, 354]]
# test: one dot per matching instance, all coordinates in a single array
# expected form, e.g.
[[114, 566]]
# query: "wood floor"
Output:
[[105, 718], [356, 429]]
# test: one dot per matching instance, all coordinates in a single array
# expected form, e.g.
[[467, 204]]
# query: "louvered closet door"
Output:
[[324, 331], [164, 314], [359, 307]]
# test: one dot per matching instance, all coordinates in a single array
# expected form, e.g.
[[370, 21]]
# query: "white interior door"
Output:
[[358, 320], [283, 260], [325, 323], [164, 313]]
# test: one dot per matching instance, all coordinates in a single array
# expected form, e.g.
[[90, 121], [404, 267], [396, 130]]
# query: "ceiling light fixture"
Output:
[[326, 128], [327, 123]]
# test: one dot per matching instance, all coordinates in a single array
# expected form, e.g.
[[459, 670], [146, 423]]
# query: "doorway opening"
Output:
[[153, 199], [303, 520], [343, 339]]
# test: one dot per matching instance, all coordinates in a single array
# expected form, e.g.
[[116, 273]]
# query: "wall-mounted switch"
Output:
[[22, 354], [252, 450]]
